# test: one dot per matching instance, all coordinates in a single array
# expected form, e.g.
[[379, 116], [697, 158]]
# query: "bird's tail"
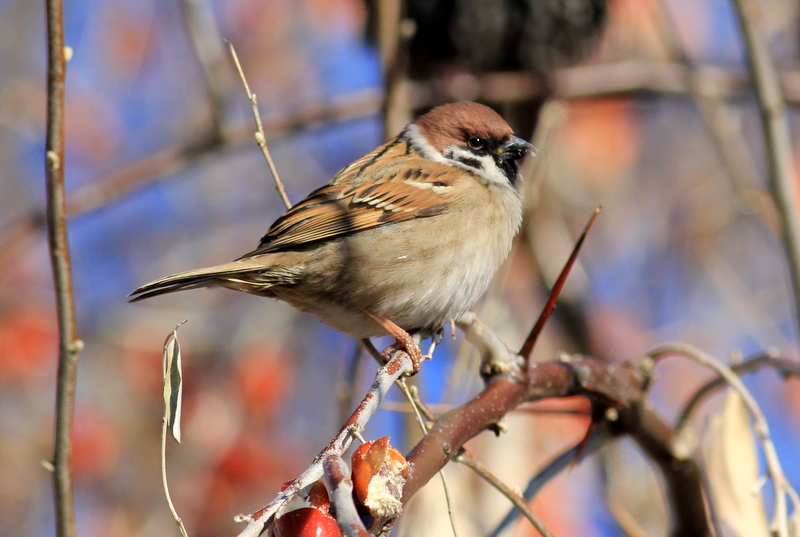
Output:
[[242, 276]]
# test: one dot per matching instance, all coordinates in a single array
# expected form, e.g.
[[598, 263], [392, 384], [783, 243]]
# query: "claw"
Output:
[[405, 341]]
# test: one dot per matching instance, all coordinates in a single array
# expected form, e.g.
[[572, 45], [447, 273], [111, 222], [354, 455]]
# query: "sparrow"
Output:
[[400, 242]]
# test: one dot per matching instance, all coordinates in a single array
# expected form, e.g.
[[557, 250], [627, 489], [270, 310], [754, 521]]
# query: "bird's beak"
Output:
[[513, 149]]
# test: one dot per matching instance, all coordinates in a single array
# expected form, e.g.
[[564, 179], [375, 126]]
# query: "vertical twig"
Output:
[[164, 484], [394, 31], [69, 345], [207, 44], [782, 178], [418, 408], [718, 117]]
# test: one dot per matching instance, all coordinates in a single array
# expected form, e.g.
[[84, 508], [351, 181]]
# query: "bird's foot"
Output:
[[405, 342]]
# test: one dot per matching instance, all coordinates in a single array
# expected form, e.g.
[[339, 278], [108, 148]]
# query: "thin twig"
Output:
[[781, 485], [777, 139], [467, 459], [552, 469], [471, 462], [69, 345], [719, 118], [164, 483], [448, 503], [419, 409], [784, 366], [261, 138], [394, 31]]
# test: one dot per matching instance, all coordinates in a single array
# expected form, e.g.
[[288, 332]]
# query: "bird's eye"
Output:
[[476, 144]]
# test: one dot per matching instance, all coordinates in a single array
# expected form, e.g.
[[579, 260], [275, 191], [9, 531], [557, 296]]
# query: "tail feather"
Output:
[[242, 276]]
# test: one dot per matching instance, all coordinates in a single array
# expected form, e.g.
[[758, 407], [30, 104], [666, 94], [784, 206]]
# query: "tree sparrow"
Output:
[[402, 240]]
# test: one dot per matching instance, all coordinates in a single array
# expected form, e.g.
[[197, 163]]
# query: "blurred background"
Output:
[[642, 106]]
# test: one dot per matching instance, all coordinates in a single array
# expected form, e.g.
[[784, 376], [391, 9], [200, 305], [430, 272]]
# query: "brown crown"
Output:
[[454, 123]]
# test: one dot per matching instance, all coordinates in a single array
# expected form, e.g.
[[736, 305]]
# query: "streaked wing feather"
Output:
[[387, 186]]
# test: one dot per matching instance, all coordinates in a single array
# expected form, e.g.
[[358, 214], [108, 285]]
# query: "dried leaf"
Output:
[[733, 470], [173, 383]]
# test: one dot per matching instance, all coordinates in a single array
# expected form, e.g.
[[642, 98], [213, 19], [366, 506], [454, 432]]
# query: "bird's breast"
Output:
[[420, 273]]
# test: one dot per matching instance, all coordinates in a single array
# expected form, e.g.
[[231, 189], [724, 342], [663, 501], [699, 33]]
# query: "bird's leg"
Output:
[[405, 341]]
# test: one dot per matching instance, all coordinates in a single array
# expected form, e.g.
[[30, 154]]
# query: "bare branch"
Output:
[[207, 45], [69, 344], [340, 488], [399, 365], [782, 176], [569, 457], [783, 365], [575, 375], [394, 31], [471, 462], [604, 79], [103, 191]]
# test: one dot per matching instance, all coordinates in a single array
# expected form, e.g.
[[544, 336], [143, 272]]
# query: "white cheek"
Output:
[[421, 145], [486, 170]]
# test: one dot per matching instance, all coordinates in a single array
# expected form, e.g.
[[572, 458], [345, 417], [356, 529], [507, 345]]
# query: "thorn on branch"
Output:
[[530, 342]]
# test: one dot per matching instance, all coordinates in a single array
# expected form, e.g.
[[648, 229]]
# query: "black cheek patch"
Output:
[[471, 162]]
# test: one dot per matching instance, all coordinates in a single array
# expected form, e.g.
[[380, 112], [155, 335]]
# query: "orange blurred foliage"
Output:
[[264, 378], [602, 138], [95, 444], [28, 343]]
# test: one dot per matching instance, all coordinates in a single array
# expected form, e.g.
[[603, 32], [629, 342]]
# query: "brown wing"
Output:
[[389, 185]]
